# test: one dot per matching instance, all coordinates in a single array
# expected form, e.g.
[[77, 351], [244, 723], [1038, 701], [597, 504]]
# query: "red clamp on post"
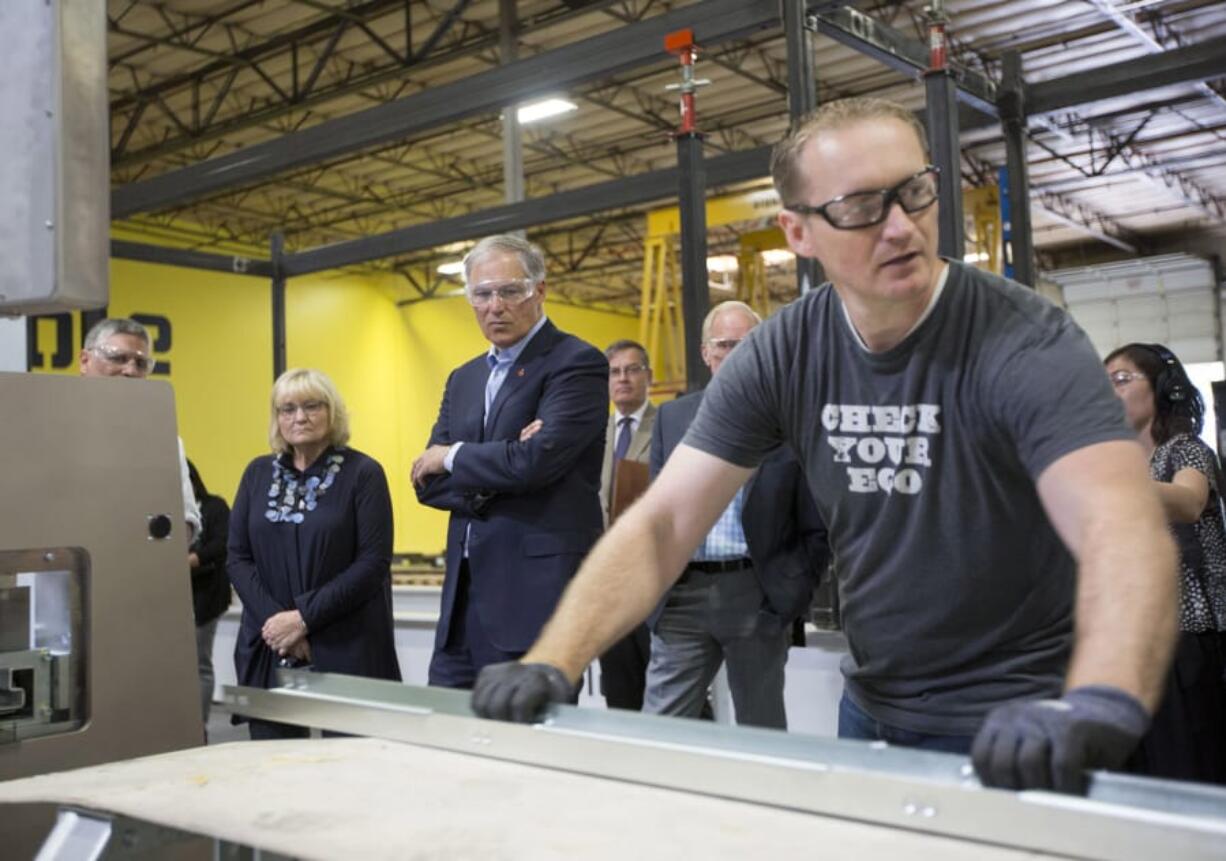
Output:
[[681, 43], [938, 47]]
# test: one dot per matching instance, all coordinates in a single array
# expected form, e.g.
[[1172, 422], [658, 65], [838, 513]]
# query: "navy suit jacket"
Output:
[[531, 510], [786, 536]]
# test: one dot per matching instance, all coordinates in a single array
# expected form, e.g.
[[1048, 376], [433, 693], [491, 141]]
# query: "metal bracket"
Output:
[[83, 835]]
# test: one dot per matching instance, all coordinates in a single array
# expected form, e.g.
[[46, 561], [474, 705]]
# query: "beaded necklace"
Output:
[[288, 500]]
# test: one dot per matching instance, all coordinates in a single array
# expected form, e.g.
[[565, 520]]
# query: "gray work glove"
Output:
[[1049, 744], [519, 692]]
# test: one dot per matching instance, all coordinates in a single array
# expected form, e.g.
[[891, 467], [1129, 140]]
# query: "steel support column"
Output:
[[943, 139], [802, 99], [277, 255], [695, 297], [1019, 250], [512, 140]]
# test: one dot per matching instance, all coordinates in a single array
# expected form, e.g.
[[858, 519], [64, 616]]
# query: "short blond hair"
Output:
[[724, 308], [308, 383], [788, 179]]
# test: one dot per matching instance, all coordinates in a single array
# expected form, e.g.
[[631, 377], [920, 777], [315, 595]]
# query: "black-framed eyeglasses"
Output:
[[866, 208]]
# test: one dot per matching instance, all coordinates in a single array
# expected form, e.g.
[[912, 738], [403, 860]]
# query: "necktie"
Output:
[[493, 382], [623, 438]]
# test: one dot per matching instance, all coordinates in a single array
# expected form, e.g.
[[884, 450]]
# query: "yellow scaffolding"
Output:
[[983, 207], [660, 314]]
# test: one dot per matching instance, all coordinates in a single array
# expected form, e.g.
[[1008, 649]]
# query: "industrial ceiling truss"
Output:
[[370, 133]]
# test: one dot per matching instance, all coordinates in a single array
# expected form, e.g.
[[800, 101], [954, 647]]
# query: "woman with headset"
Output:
[[1187, 739]]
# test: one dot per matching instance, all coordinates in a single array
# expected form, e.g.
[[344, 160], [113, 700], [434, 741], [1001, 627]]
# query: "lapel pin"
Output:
[[520, 372]]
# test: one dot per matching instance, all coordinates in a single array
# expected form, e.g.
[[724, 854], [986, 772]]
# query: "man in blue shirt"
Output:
[[515, 458]]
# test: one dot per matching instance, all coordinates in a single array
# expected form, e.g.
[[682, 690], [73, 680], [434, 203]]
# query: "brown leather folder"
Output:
[[630, 479]]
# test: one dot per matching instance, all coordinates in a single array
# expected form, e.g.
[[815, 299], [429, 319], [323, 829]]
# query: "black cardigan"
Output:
[[210, 585]]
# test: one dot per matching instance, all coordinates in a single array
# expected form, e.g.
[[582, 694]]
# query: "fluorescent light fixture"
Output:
[[455, 267], [723, 263], [777, 257], [534, 111]]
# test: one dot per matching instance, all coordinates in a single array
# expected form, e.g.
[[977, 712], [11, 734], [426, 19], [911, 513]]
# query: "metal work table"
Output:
[[440, 783], [814, 682]]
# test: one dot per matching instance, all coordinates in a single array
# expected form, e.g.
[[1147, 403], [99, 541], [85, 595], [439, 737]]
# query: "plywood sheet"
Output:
[[366, 798]]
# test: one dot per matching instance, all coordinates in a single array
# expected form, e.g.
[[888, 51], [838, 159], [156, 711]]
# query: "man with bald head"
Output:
[[1006, 577], [749, 579]]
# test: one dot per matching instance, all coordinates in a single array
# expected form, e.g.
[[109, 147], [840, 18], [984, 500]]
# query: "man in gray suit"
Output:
[[749, 580], [623, 668], [628, 436]]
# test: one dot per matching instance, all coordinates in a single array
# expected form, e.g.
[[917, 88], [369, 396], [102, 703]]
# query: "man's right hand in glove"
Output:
[[519, 692], [1049, 744]]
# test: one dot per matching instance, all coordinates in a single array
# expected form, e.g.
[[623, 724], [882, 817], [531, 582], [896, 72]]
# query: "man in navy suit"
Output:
[[749, 579], [515, 457]]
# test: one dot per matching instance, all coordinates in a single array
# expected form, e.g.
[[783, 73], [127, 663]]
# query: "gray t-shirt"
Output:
[[957, 594]]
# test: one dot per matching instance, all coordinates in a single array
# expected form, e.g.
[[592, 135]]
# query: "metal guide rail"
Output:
[[1122, 817]]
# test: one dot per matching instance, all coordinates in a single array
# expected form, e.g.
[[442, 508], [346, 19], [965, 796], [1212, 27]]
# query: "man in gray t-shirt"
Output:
[[1008, 582], [957, 594]]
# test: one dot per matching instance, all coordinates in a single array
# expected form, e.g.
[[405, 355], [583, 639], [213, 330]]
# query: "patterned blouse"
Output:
[[1202, 545]]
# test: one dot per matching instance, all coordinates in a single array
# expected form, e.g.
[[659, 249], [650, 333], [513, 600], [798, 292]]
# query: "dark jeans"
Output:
[[1187, 738], [855, 723]]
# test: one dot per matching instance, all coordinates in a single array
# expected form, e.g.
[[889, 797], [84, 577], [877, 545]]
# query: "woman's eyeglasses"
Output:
[[1119, 379], [309, 407]]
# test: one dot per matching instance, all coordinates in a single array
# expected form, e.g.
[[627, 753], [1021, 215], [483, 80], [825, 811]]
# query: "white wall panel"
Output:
[[1170, 299]]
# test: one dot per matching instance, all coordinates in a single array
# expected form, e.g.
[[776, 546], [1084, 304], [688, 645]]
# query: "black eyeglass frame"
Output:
[[888, 196]]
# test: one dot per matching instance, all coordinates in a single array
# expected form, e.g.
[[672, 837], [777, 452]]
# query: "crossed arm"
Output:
[[571, 414]]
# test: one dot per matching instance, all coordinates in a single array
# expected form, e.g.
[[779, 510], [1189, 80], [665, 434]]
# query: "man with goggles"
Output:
[[969, 459], [515, 459], [119, 347]]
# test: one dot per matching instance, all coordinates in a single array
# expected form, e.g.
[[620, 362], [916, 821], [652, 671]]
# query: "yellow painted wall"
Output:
[[390, 364], [220, 358]]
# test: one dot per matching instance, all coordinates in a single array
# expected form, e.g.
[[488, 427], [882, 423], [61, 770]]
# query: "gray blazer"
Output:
[[640, 450]]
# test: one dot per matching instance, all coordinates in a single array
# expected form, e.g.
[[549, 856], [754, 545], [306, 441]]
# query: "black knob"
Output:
[[159, 526]]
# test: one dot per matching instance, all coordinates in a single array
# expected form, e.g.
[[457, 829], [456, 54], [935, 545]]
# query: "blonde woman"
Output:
[[310, 548]]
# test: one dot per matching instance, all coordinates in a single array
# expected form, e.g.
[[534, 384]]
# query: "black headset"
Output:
[[1172, 383]]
